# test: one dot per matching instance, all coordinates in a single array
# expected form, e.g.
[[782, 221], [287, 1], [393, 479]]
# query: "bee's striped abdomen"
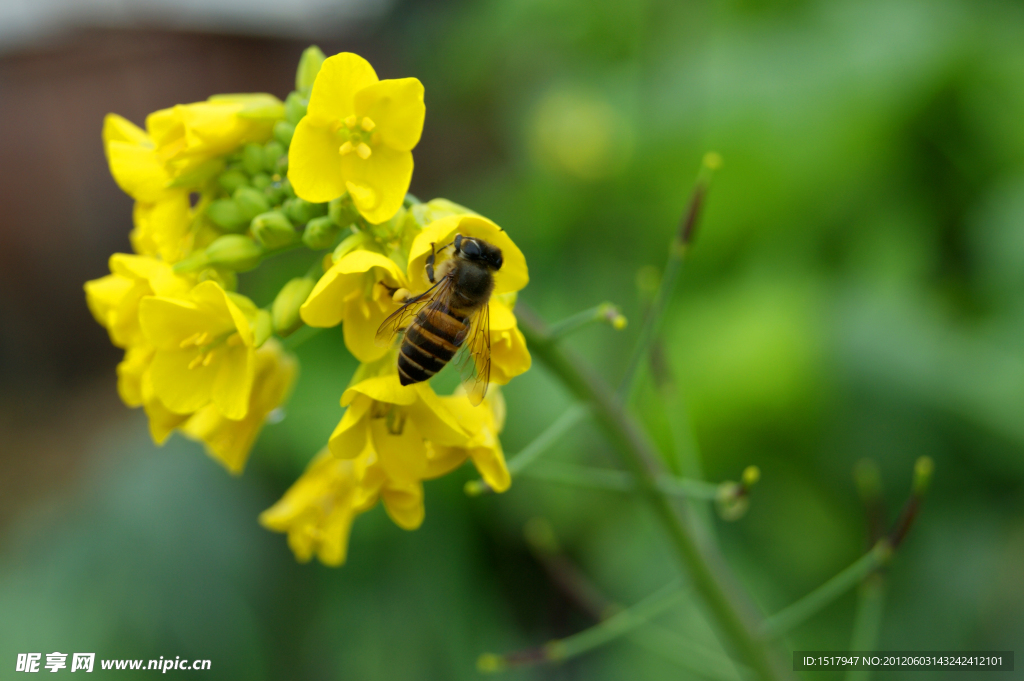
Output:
[[430, 342]]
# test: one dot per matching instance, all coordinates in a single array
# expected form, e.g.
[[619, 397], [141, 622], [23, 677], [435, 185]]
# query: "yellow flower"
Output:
[[350, 293], [395, 422], [229, 441], [162, 214], [483, 448], [509, 355], [135, 385], [317, 511], [204, 349], [187, 135], [357, 136], [114, 299]]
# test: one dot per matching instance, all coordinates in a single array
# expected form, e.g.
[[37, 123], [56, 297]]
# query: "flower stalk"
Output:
[[639, 457]]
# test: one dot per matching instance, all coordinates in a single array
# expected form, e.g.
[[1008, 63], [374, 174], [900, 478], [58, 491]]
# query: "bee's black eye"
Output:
[[470, 248]]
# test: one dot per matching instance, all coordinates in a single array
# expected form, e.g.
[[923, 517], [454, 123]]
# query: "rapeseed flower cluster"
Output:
[[223, 185]]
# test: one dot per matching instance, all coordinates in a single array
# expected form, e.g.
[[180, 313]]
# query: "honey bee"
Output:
[[454, 312]]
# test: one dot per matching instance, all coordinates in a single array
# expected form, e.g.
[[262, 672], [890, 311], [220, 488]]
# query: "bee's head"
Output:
[[479, 250]]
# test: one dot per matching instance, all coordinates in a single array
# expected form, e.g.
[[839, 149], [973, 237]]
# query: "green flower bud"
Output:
[[320, 233], [301, 211], [343, 211], [199, 174], [349, 244], [261, 180], [285, 310], [273, 230], [309, 65], [272, 152], [193, 261], [295, 108], [283, 131], [226, 214], [252, 158], [227, 279], [262, 327], [251, 202], [234, 252], [232, 179]]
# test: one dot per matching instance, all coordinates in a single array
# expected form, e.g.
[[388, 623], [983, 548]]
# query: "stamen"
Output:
[[345, 148], [351, 121], [208, 359], [368, 124], [191, 340], [364, 150], [196, 361], [203, 339]]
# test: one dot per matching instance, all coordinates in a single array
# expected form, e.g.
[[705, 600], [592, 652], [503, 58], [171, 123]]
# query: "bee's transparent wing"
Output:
[[400, 318], [475, 363]]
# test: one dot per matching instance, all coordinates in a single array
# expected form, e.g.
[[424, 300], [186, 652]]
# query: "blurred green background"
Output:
[[856, 291]]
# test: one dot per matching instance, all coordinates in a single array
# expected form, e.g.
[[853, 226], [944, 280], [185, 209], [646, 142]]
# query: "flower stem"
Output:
[[676, 255], [638, 455], [867, 621], [618, 481], [605, 312], [799, 612], [540, 444], [302, 335], [616, 626]]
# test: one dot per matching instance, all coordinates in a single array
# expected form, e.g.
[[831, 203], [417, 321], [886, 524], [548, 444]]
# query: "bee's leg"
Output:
[[430, 263], [390, 289]]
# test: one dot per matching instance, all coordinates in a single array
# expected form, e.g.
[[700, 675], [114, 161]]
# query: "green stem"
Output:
[[616, 626], [638, 456], [618, 481], [797, 613], [605, 312], [676, 255], [868, 620], [540, 444], [691, 656]]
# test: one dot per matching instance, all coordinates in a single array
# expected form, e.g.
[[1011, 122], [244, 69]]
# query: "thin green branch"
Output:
[[618, 481], [540, 444], [867, 621], [797, 613], [676, 255], [616, 626], [638, 456], [605, 312]]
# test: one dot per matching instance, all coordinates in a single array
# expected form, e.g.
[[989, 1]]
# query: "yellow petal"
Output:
[[166, 322], [513, 274], [502, 317], [162, 227], [334, 89], [509, 355], [434, 420], [379, 183], [397, 110], [233, 381], [314, 164], [350, 436], [362, 319], [129, 374], [210, 298], [119, 129], [182, 390], [104, 295], [162, 421], [325, 306], [137, 170], [404, 503], [402, 453], [490, 463], [383, 389]]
